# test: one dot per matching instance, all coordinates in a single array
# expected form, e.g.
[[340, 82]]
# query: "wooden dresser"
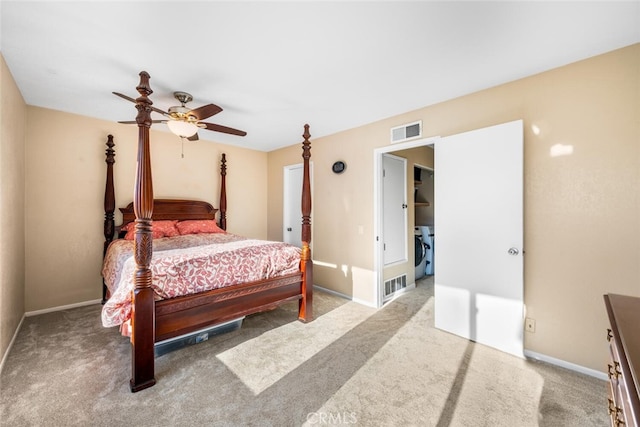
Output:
[[624, 367]]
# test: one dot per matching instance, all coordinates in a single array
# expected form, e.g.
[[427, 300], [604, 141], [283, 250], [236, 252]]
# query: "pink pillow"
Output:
[[158, 229], [196, 226]]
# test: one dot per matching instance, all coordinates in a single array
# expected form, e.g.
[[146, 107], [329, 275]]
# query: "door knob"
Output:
[[288, 228], [513, 251]]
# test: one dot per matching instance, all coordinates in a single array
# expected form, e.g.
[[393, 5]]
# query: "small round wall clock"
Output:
[[339, 166]]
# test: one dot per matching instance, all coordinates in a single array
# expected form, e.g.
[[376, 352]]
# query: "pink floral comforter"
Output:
[[190, 264]]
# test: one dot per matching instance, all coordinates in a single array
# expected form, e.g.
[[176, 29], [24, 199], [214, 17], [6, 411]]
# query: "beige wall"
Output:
[[342, 207], [12, 223], [582, 210], [65, 183]]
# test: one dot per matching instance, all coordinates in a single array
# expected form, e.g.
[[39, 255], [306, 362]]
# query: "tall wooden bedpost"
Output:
[[305, 308], [109, 204], [223, 192], [143, 311]]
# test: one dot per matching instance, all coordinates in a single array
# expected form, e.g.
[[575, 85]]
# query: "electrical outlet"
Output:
[[530, 325]]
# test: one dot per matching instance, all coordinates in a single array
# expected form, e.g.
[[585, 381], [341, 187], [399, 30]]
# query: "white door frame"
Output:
[[378, 253]]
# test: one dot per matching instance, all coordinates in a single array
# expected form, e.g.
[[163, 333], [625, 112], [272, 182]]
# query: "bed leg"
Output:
[[305, 305], [142, 341]]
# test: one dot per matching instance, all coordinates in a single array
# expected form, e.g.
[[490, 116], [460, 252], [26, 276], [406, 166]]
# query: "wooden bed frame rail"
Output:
[[157, 321]]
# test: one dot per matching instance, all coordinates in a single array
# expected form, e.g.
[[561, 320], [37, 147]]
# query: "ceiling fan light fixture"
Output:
[[182, 129]]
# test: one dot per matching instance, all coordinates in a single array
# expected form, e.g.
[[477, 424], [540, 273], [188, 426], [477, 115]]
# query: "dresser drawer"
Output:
[[624, 347], [616, 413], [617, 400]]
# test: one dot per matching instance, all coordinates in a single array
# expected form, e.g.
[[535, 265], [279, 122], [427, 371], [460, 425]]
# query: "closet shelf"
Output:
[[421, 204]]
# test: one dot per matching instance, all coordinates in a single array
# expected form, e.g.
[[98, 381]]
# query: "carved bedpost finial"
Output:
[[110, 152], [306, 145], [144, 88], [223, 192], [143, 103]]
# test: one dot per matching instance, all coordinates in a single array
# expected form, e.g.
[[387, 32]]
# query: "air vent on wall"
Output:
[[395, 284], [406, 132]]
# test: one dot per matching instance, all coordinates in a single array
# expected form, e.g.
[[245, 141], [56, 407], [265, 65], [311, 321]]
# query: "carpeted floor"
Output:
[[353, 365]]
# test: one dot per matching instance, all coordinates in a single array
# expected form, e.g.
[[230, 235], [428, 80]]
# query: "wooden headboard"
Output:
[[173, 209]]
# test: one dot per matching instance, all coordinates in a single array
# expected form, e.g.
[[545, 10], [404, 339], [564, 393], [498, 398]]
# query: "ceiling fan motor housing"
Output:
[[182, 113], [183, 97]]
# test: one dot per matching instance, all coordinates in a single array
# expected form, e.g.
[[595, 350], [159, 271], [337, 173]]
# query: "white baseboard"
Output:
[[62, 307], [564, 364], [10, 346], [363, 302], [330, 291], [345, 296]]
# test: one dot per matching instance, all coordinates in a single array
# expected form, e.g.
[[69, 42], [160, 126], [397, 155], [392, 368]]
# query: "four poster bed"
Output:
[[237, 278]]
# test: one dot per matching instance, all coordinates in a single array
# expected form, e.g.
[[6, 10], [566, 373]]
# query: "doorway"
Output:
[[483, 303], [380, 291], [394, 209]]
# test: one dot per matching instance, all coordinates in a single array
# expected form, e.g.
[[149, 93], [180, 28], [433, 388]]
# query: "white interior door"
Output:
[[292, 209], [394, 211], [479, 236]]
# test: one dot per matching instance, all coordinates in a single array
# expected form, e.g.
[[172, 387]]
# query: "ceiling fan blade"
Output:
[[128, 98], [193, 137], [133, 122], [205, 111], [223, 129]]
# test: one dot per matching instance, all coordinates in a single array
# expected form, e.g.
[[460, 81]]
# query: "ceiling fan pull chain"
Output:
[[182, 143]]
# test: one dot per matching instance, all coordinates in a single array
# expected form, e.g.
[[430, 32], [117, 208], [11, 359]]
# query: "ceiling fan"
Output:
[[184, 121]]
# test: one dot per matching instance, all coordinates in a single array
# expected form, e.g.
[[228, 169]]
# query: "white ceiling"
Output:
[[273, 66]]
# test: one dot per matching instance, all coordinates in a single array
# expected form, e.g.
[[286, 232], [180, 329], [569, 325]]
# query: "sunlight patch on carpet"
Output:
[[264, 360]]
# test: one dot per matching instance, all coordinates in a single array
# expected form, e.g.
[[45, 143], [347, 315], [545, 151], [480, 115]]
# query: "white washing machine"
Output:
[[427, 234], [420, 253]]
